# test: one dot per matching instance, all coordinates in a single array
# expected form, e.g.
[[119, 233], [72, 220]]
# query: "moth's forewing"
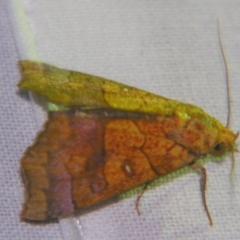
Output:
[[85, 157]]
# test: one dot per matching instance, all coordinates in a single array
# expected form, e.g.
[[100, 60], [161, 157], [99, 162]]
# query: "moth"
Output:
[[107, 138]]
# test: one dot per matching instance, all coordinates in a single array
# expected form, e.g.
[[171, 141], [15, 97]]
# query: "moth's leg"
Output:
[[203, 182], [139, 197]]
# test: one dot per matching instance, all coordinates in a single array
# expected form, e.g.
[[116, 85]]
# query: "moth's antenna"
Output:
[[227, 74], [228, 99]]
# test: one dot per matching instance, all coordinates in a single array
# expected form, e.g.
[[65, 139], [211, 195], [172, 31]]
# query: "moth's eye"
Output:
[[219, 149]]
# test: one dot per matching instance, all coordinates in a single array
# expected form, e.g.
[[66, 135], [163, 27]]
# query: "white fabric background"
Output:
[[166, 47]]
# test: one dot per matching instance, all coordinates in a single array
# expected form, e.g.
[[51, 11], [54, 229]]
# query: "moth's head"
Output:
[[225, 143]]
